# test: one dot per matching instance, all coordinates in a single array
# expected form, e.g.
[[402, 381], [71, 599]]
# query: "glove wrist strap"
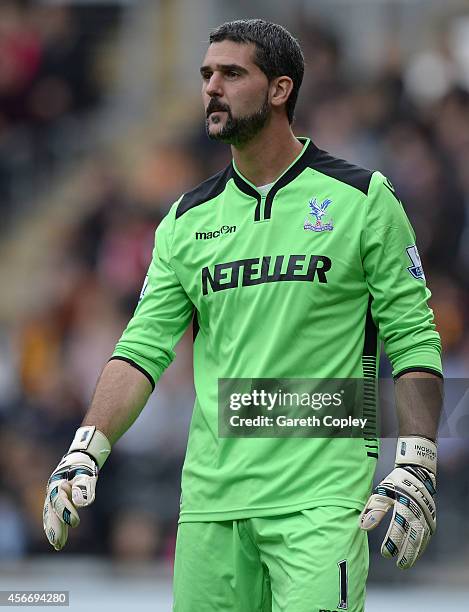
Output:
[[92, 441], [416, 451]]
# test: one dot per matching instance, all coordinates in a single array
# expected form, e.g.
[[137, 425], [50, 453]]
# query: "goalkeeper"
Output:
[[290, 263]]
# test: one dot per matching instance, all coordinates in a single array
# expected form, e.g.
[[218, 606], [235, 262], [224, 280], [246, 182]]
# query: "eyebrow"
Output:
[[225, 68]]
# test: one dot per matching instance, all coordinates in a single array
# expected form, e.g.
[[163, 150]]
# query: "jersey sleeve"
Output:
[[163, 313], [396, 282]]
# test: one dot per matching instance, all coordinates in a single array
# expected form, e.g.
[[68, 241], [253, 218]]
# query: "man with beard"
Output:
[[291, 264]]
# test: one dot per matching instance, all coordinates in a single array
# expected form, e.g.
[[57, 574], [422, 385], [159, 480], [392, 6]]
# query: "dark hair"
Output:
[[277, 53]]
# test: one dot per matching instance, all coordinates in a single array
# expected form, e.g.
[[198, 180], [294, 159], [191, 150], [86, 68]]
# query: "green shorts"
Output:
[[314, 560]]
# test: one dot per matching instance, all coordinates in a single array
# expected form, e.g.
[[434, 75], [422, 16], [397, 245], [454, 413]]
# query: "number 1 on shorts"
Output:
[[342, 605]]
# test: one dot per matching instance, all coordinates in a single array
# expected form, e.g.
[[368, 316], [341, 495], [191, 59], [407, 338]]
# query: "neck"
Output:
[[264, 158]]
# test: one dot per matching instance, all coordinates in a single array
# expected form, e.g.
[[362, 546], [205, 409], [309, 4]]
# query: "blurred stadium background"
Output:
[[101, 128]]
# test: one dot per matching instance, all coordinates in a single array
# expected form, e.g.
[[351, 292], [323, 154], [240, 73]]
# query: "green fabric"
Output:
[[282, 322], [288, 563]]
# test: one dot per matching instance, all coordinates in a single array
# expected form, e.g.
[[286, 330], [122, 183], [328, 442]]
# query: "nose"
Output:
[[213, 87]]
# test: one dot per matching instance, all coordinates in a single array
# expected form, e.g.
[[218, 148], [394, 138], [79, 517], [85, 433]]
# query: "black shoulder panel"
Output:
[[342, 170], [204, 192]]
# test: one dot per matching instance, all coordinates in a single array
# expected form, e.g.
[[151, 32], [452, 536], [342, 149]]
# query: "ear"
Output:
[[280, 90]]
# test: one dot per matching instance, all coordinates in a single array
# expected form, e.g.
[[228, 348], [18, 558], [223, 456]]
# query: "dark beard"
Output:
[[240, 130]]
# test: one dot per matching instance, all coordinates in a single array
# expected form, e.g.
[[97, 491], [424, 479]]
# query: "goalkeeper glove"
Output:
[[73, 483], [409, 490]]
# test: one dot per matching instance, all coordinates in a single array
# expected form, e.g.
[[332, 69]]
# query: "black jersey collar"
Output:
[[303, 160]]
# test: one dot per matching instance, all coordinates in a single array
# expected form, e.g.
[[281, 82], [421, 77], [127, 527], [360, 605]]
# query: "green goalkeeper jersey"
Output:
[[301, 282]]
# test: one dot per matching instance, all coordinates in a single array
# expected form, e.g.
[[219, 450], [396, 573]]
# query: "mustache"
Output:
[[215, 105]]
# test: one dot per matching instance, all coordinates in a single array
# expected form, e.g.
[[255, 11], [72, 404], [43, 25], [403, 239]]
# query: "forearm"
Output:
[[411, 486], [419, 398], [121, 393]]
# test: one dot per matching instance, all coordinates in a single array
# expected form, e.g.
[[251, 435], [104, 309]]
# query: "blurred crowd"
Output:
[[50, 361], [48, 81]]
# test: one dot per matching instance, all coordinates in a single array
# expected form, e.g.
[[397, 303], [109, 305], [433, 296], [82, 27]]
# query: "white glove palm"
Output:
[[73, 484], [410, 491]]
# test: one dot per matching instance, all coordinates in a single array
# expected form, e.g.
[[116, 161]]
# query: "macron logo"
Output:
[[224, 229]]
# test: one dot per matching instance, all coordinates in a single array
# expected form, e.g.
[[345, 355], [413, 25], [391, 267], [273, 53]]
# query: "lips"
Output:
[[215, 109], [214, 113]]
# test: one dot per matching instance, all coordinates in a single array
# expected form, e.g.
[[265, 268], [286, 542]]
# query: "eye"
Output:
[[206, 76], [231, 74]]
